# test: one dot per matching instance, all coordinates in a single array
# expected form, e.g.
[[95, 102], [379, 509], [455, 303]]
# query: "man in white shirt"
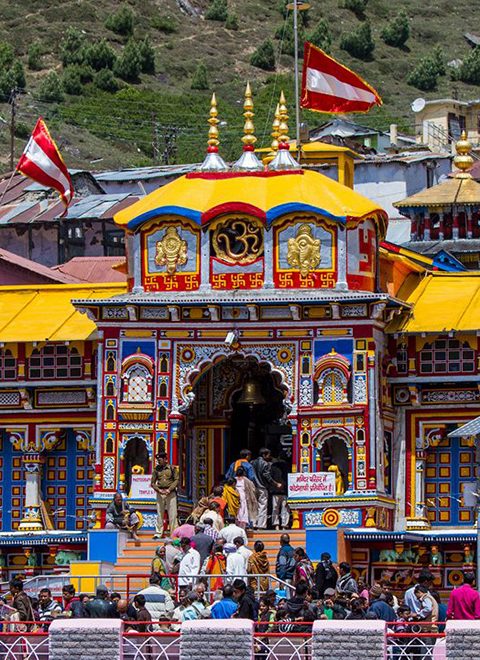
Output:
[[231, 531], [236, 564], [242, 548], [189, 564]]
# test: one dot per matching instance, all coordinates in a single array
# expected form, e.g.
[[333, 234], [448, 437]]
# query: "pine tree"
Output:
[[321, 36], [232, 22], [147, 56], [72, 81], [129, 64], [106, 81], [425, 75], [121, 22], [359, 43], [72, 50], [397, 31], [35, 54], [286, 35], [264, 57], [200, 77], [100, 56], [470, 69], [51, 88], [358, 7], [7, 56], [217, 11]]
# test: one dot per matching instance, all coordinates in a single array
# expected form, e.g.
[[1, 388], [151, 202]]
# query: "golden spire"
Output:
[[213, 162], [284, 159], [249, 138], [463, 161], [276, 129], [213, 140], [248, 161]]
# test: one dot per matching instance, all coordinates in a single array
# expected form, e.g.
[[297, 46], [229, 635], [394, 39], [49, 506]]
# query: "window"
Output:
[[55, 361], [402, 359], [137, 384], [332, 387], [114, 242], [8, 365], [446, 356]]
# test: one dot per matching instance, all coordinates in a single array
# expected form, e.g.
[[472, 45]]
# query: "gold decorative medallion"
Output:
[[171, 251], [238, 241], [303, 251]]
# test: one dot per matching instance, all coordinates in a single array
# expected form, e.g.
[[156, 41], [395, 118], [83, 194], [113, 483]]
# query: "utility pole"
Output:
[[13, 112], [155, 140]]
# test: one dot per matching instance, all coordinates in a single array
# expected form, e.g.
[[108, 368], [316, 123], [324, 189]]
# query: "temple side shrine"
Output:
[[263, 308]]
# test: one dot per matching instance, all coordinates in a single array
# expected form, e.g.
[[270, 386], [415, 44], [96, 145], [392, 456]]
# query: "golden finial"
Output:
[[249, 138], [463, 161], [213, 140], [276, 129], [248, 161], [213, 161], [284, 159]]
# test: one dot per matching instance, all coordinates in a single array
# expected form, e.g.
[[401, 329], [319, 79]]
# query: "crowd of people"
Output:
[[213, 574]]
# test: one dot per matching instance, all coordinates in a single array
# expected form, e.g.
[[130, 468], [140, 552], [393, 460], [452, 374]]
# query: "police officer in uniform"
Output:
[[164, 483]]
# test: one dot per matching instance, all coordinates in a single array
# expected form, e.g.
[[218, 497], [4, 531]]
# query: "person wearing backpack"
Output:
[[325, 575], [164, 483], [285, 564]]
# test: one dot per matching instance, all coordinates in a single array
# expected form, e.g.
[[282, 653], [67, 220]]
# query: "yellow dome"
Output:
[[266, 195]]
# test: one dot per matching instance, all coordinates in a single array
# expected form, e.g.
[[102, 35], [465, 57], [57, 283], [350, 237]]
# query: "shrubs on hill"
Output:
[[35, 54], [121, 22], [147, 56], [129, 64], [425, 75], [106, 81], [12, 74], [321, 36], [51, 88], [397, 31], [100, 56], [264, 57], [164, 23], [72, 49], [232, 22], [286, 35], [359, 43], [217, 11], [470, 69], [358, 7], [200, 77], [72, 81]]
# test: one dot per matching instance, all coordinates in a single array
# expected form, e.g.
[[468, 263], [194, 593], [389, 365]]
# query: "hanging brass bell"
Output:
[[251, 393]]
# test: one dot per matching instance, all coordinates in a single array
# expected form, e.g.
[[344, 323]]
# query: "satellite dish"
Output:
[[418, 105]]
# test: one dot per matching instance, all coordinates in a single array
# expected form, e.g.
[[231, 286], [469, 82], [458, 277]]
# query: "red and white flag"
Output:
[[42, 162], [328, 86]]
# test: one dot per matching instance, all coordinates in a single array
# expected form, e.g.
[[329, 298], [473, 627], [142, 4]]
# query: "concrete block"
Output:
[[86, 639], [355, 640]]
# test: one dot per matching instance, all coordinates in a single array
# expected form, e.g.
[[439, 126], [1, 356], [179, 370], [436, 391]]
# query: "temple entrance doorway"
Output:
[[333, 451], [239, 404], [136, 460]]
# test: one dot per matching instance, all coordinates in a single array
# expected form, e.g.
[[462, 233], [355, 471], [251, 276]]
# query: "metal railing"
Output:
[[24, 646], [151, 646], [414, 640]]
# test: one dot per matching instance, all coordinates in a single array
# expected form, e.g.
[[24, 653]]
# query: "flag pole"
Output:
[[297, 99]]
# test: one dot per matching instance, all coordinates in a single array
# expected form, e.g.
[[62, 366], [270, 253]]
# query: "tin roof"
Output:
[[30, 272], [93, 269], [449, 192]]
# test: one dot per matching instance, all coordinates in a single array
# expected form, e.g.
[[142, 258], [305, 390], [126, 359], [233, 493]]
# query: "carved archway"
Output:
[[334, 446], [193, 361]]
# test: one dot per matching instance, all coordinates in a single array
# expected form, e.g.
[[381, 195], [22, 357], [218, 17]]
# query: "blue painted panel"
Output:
[[321, 540], [103, 545], [147, 346]]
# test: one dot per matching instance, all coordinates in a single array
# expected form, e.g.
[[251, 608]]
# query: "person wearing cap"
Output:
[[379, 606], [326, 575], [164, 482]]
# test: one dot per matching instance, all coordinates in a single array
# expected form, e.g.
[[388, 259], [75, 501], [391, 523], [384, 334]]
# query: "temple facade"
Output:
[[263, 308]]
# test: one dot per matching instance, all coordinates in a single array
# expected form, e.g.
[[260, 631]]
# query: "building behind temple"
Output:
[[262, 309]]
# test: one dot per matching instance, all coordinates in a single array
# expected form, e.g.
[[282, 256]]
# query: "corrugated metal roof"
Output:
[[467, 430], [450, 191], [93, 269], [96, 206], [28, 266], [145, 173]]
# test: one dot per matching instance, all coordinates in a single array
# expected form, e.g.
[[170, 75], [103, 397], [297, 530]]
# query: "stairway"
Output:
[[137, 556]]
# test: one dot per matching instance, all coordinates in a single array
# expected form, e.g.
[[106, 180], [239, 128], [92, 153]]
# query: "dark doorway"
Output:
[[136, 453], [334, 452]]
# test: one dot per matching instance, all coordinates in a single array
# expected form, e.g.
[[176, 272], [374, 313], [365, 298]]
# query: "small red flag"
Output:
[[328, 86], [42, 162]]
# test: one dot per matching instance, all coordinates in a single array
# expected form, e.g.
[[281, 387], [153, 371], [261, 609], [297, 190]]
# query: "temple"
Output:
[[263, 308]]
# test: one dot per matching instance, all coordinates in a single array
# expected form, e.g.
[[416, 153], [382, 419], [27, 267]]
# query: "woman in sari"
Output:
[[159, 568], [248, 510], [232, 497], [258, 564], [304, 570], [216, 564]]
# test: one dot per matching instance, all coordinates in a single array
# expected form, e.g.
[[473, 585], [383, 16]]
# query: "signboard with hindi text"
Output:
[[310, 485], [141, 489]]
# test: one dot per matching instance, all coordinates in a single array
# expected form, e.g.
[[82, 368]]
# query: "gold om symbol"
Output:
[[238, 241]]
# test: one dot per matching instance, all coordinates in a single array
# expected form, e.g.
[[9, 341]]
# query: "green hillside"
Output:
[[157, 116]]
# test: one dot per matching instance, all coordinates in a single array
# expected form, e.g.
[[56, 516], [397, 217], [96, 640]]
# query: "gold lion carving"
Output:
[[171, 251], [303, 251]]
